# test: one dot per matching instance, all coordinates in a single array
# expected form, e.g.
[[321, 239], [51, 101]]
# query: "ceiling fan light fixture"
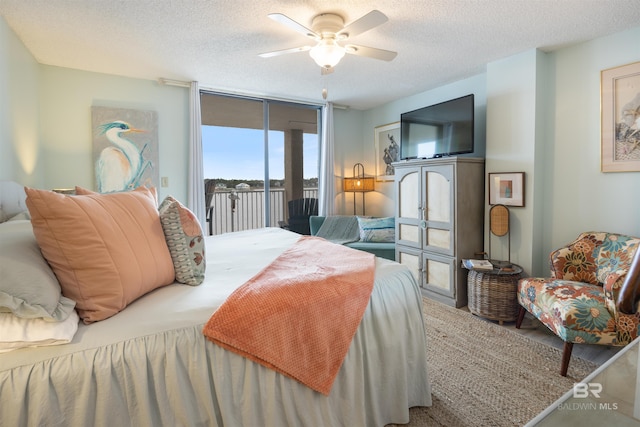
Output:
[[327, 53], [329, 31]]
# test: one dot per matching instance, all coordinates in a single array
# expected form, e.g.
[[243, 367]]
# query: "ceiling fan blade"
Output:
[[371, 52], [285, 51], [364, 23], [296, 26]]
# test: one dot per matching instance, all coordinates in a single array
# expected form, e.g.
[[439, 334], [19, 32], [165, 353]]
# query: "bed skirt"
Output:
[[176, 377]]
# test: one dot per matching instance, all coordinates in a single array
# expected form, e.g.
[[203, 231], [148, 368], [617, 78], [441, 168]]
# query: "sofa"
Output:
[[373, 235]]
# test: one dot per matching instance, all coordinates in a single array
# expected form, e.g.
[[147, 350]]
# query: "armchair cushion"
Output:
[[576, 261], [616, 253], [592, 257], [577, 302], [574, 311]]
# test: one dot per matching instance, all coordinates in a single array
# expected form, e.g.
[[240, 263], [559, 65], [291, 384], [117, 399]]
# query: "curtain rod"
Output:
[[180, 83]]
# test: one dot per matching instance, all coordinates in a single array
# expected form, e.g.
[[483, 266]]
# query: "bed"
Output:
[[150, 365]]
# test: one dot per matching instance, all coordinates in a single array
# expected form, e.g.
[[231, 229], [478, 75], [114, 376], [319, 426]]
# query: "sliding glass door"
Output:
[[258, 154]]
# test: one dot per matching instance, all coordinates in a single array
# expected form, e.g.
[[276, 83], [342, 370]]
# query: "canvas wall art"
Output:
[[506, 188], [387, 150], [620, 101], [125, 148]]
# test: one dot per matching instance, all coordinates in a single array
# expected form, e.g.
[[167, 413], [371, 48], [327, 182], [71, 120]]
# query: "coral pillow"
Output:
[[105, 249], [83, 192]]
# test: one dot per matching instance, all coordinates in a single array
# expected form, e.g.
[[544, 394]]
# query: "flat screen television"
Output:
[[439, 130]]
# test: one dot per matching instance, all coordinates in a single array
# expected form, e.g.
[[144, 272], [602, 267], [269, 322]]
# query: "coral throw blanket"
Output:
[[298, 316]]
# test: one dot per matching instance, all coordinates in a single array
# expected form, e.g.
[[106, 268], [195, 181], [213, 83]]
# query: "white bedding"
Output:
[[151, 365]]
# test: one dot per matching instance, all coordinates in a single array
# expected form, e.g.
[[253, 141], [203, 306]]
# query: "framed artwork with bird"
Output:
[[620, 115], [125, 148]]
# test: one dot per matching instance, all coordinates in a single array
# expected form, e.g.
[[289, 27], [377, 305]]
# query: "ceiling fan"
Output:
[[329, 31]]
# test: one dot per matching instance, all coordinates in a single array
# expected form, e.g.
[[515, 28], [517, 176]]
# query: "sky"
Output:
[[238, 153]]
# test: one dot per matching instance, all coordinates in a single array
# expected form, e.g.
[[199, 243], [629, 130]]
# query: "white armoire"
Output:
[[439, 222]]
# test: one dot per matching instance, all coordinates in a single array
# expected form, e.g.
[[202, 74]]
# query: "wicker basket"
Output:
[[494, 296]]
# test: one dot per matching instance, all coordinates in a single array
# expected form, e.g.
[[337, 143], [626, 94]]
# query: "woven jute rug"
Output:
[[483, 374]]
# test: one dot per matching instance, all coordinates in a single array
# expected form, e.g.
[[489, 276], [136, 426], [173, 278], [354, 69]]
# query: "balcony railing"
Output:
[[244, 209]]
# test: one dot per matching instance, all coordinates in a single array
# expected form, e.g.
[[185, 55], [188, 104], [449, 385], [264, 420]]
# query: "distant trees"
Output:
[[222, 184]]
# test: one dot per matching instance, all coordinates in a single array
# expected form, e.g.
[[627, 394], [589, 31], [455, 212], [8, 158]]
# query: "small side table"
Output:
[[493, 294]]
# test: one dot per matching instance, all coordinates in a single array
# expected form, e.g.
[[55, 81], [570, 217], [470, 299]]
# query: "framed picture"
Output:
[[125, 148], [506, 188], [387, 146], [620, 127]]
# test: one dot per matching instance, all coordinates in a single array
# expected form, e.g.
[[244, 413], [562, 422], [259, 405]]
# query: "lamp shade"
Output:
[[327, 53], [359, 184]]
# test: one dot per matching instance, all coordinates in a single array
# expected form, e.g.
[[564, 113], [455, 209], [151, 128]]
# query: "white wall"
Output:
[[347, 152], [66, 98], [578, 196], [20, 159], [542, 118], [381, 202], [511, 136], [45, 120]]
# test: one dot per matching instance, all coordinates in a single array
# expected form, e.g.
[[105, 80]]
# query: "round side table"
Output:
[[493, 293]]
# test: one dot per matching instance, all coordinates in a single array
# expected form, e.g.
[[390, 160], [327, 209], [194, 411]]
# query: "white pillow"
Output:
[[22, 216], [28, 287], [17, 332]]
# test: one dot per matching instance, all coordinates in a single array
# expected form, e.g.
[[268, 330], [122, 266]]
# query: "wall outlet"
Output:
[[164, 181]]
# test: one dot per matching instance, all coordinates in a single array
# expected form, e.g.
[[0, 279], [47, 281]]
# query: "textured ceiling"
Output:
[[217, 42]]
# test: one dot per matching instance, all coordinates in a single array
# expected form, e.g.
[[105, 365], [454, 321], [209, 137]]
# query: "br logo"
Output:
[[583, 390]]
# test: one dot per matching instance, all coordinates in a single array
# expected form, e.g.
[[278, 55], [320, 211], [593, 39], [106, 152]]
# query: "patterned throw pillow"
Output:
[[377, 230], [185, 239]]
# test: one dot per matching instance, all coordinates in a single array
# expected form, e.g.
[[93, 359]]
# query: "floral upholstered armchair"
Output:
[[578, 301]]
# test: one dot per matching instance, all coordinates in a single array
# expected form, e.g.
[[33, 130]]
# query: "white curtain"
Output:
[[195, 185], [326, 184]]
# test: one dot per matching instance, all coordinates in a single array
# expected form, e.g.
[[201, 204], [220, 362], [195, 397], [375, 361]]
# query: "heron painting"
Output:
[[125, 148]]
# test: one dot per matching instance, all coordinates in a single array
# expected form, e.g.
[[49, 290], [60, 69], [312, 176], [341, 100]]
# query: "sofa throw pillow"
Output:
[[106, 249], [185, 240], [28, 287], [377, 230]]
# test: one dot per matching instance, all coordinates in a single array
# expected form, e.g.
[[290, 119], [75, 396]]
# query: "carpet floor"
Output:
[[483, 374]]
